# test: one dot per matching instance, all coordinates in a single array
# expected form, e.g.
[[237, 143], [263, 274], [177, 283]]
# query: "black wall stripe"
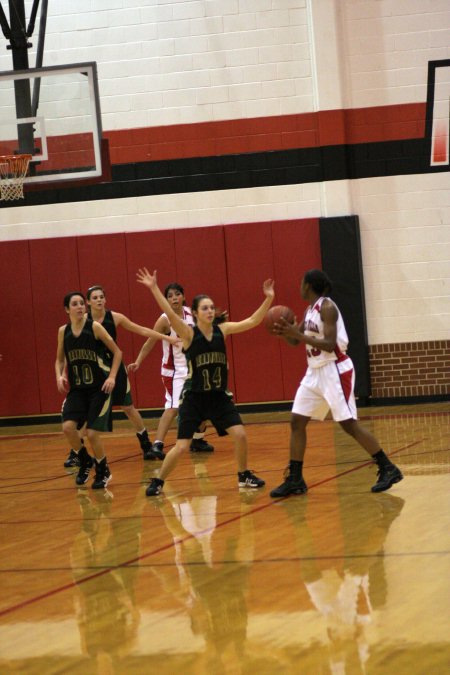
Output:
[[287, 167], [341, 259]]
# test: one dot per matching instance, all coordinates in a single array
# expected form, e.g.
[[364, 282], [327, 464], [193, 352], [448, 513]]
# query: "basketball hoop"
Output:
[[13, 169]]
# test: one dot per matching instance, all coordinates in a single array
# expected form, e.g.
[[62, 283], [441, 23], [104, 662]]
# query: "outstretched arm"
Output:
[[231, 327], [149, 280], [161, 326], [122, 320]]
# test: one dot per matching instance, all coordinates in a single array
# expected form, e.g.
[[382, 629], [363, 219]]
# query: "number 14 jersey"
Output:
[[207, 362]]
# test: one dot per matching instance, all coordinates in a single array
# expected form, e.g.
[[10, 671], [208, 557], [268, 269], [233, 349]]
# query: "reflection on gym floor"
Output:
[[209, 579]]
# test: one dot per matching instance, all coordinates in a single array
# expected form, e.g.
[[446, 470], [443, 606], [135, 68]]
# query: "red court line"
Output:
[[144, 556]]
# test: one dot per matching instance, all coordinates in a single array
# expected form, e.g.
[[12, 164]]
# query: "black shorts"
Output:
[[88, 405], [121, 394], [196, 407]]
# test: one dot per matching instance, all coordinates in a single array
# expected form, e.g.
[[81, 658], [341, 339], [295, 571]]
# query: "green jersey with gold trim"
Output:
[[87, 365], [207, 362]]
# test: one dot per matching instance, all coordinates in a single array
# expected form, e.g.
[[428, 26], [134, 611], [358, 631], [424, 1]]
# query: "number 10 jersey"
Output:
[[85, 355]]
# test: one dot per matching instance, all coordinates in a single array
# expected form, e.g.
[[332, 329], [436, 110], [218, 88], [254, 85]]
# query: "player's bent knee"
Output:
[[69, 426], [238, 433], [181, 446]]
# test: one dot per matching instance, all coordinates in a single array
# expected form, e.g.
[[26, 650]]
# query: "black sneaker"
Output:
[[72, 459], [146, 446], [86, 464], [102, 475], [200, 445], [155, 487], [387, 476], [247, 479], [291, 486], [157, 450], [149, 454]]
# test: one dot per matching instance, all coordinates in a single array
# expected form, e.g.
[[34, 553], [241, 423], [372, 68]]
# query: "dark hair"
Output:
[[67, 298], [318, 280], [196, 301], [91, 289], [173, 286]]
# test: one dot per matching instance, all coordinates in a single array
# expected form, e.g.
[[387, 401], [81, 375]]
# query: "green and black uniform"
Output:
[[204, 395], [88, 368], [121, 394]]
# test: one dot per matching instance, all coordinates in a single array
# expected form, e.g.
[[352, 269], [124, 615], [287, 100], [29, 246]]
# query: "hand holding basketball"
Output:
[[275, 315]]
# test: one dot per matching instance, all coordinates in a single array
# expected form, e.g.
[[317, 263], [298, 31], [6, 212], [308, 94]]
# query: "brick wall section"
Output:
[[410, 369]]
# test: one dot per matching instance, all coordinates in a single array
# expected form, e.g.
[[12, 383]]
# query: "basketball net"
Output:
[[13, 169]]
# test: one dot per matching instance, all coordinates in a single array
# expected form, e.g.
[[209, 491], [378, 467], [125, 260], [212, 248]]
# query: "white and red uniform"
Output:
[[330, 378], [174, 367]]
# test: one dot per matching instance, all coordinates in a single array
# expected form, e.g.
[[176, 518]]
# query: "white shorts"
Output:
[[173, 386], [330, 387]]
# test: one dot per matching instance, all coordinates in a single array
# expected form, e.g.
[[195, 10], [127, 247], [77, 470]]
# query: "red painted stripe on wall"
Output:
[[330, 127]]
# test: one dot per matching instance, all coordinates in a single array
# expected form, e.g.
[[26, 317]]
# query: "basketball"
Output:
[[274, 315]]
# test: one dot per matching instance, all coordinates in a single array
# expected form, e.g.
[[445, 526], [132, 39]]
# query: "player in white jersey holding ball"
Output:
[[327, 385], [173, 367]]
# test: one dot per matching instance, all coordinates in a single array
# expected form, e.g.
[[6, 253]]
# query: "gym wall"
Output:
[[230, 264], [223, 112]]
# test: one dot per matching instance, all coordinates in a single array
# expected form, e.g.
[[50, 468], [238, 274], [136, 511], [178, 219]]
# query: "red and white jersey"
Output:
[[174, 361], [313, 326]]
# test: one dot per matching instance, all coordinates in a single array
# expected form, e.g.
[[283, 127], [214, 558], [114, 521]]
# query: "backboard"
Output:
[[53, 113]]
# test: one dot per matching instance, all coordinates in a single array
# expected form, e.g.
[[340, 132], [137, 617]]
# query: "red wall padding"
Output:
[[19, 391], [54, 272], [296, 248], [228, 263], [155, 250], [266, 367]]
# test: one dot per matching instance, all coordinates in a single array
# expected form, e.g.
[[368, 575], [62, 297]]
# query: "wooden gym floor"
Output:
[[210, 580]]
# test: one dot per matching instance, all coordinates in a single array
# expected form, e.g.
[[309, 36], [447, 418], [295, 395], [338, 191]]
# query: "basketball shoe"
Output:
[[155, 487], [157, 449], [72, 459], [387, 476], [86, 464], [247, 479], [102, 474], [293, 485], [200, 445], [146, 446]]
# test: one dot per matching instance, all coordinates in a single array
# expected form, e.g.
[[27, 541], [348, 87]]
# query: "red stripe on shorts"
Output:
[[346, 383], [168, 383]]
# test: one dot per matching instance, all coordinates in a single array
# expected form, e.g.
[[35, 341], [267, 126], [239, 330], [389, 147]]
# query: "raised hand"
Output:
[[143, 276], [268, 288]]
